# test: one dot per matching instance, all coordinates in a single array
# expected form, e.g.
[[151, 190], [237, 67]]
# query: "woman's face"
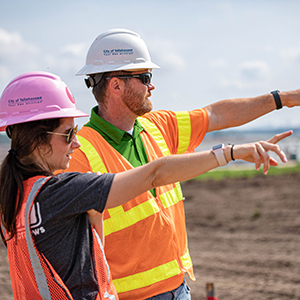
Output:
[[61, 150]]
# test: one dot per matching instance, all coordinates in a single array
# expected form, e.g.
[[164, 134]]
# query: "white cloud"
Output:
[[166, 55], [218, 64], [226, 8], [78, 50], [71, 57], [16, 56], [12, 43], [249, 74], [269, 49], [290, 55], [4, 71], [254, 70]]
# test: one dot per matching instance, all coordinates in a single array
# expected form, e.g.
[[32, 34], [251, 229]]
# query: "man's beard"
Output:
[[137, 103]]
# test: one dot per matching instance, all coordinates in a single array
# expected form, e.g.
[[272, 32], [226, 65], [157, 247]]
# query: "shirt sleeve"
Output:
[[74, 193], [166, 121]]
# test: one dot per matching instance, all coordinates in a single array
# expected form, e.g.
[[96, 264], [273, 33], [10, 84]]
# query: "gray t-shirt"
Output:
[[61, 228]]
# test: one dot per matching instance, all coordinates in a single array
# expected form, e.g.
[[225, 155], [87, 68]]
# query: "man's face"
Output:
[[137, 95]]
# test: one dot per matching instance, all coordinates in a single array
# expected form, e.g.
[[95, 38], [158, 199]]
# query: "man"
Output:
[[145, 239]]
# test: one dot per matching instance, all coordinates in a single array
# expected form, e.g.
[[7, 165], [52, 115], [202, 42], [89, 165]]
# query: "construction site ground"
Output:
[[244, 237]]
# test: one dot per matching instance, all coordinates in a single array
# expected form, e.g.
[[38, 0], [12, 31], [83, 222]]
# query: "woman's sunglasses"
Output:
[[144, 77], [70, 136]]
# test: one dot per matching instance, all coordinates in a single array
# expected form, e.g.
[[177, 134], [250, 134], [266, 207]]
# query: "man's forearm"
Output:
[[235, 112]]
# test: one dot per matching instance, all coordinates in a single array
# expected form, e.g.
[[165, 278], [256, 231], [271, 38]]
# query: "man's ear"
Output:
[[116, 85]]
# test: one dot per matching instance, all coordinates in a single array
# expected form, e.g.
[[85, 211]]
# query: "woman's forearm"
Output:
[[129, 184]]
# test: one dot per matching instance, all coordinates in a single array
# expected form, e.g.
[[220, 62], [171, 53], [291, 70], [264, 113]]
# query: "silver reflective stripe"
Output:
[[39, 274], [106, 294], [3, 230]]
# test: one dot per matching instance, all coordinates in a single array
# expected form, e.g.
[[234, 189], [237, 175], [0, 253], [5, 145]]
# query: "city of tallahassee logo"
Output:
[[108, 52], [25, 101]]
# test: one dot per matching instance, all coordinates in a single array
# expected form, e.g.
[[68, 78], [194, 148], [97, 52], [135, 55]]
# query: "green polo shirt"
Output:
[[130, 146]]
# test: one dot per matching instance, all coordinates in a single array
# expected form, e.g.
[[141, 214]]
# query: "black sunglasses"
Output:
[[70, 136], [144, 77]]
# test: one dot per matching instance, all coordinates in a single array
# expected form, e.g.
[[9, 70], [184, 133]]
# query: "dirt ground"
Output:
[[244, 237]]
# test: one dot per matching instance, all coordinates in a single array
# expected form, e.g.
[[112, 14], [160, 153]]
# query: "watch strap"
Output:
[[277, 99], [219, 154]]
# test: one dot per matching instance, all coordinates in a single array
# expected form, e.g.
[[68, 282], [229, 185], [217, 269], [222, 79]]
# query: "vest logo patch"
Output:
[[35, 221]]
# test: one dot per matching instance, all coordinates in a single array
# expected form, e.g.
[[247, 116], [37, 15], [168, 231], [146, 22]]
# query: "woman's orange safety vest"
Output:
[[32, 275], [145, 239]]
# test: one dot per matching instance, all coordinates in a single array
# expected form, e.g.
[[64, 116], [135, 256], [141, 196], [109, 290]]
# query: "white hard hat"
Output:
[[116, 50]]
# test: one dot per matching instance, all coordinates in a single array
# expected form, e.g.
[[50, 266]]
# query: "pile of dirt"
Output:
[[244, 237]]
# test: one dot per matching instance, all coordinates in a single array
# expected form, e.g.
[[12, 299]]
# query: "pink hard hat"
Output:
[[36, 96]]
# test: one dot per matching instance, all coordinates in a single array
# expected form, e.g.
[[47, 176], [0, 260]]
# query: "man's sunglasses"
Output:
[[144, 77], [70, 136]]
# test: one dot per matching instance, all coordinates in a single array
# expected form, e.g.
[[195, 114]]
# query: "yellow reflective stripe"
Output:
[[156, 134], [184, 130], [121, 219], [151, 276], [171, 197], [92, 155], [118, 218], [147, 278], [115, 211], [186, 260]]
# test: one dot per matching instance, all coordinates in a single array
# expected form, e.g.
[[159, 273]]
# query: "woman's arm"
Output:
[[96, 220], [129, 184]]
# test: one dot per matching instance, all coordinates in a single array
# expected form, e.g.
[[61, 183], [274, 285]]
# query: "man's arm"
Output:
[[235, 112]]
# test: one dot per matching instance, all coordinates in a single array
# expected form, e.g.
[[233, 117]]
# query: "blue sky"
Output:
[[207, 50]]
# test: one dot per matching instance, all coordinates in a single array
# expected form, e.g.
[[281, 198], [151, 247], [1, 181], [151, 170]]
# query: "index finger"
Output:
[[280, 136]]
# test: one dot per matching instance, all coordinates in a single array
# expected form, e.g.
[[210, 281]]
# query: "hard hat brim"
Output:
[[64, 113], [94, 69]]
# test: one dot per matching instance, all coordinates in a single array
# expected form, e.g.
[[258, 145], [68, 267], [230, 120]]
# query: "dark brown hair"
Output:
[[18, 166]]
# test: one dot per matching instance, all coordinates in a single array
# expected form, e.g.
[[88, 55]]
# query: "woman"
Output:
[[53, 251]]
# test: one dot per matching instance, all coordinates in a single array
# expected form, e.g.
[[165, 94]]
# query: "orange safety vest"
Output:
[[32, 275], [145, 239]]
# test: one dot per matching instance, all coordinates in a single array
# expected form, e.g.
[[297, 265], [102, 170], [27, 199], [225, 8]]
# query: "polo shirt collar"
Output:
[[109, 130]]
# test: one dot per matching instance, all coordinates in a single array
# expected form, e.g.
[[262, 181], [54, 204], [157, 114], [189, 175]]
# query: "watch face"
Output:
[[217, 147]]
